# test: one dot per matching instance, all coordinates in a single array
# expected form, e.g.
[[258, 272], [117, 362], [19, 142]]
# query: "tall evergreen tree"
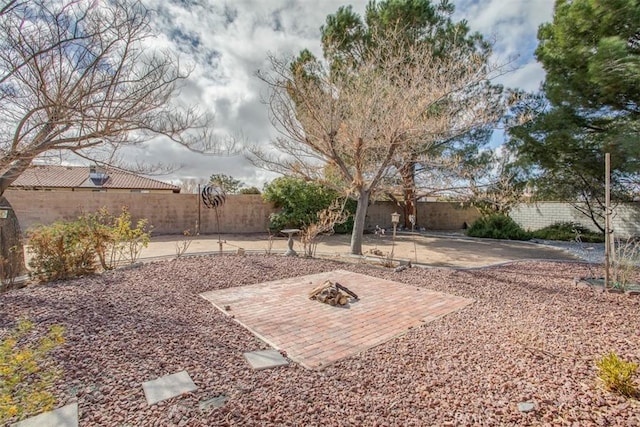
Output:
[[591, 53]]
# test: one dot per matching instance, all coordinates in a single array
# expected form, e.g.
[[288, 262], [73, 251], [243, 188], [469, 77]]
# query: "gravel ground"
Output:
[[531, 336], [589, 252]]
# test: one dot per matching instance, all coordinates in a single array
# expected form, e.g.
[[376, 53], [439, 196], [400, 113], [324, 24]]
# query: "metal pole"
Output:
[[218, 228], [199, 218], [607, 219], [393, 243]]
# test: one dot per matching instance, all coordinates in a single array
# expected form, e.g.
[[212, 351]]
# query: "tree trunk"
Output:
[[12, 172], [407, 173], [11, 250], [358, 222]]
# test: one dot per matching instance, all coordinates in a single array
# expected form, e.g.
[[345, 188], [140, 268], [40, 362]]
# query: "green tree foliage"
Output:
[[250, 190], [591, 53], [300, 201], [227, 183]]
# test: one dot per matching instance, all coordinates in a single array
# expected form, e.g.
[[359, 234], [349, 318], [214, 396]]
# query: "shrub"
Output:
[[61, 250], [130, 240], [24, 377], [617, 374], [568, 231], [300, 201], [497, 226], [65, 250], [625, 262]]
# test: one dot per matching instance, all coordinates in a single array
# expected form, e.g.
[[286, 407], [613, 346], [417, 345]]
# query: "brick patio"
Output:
[[315, 334]]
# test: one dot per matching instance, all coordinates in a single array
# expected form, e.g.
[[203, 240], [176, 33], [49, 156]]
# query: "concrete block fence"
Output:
[[175, 213], [626, 217]]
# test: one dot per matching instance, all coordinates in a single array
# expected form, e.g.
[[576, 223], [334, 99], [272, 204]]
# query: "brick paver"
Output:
[[315, 334]]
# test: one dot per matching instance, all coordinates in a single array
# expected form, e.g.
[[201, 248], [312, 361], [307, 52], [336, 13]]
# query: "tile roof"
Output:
[[78, 176]]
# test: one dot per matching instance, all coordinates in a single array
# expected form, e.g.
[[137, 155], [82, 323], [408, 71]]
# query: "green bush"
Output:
[[497, 226], [300, 201], [65, 250], [617, 374], [62, 250], [567, 231]]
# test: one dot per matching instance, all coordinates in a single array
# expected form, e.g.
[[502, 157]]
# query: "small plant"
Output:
[[183, 245], [102, 237], [131, 240], [387, 261], [625, 262], [497, 226], [8, 271], [24, 375], [327, 219], [269, 243], [617, 374], [114, 239]]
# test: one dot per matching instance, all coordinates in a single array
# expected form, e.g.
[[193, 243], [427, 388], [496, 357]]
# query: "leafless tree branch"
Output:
[[79, 74]]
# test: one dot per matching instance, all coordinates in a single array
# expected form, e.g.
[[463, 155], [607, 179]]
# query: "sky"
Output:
[[227, 42]]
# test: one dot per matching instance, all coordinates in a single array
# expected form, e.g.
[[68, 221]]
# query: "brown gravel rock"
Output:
[[532, 336]]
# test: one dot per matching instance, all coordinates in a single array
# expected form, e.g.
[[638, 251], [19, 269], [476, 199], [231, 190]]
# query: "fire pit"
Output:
[[333, 293]]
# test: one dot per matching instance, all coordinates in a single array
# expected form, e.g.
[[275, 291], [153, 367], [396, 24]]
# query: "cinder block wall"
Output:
[[174, 213], [168, 213], [430, 215], [626, 217]]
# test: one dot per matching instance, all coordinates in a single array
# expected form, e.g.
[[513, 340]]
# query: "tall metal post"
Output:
[[199, 218], [395, 219], [607, 219]]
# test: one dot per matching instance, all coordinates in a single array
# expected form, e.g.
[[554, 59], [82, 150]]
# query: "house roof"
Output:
[[48, 176]]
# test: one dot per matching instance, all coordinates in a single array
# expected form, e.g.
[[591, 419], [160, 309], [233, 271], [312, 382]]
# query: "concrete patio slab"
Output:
[[315, 334], [167, 387], [265, 359], [67, 416]]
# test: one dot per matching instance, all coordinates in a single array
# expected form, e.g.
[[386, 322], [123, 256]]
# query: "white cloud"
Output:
[[229, 41]]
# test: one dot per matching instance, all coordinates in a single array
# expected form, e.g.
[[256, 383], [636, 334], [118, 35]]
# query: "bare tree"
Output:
[[79, 75], [362, 121]]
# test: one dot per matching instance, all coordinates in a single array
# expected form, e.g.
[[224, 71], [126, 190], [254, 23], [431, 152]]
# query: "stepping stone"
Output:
[[526, 406], [215, 402], [67, 416], [265, 359], [167, 387]]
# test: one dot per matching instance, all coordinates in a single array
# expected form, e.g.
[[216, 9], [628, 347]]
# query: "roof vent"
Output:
[[98, 175]]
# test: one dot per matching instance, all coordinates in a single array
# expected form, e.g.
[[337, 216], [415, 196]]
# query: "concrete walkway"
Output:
[[428, 249]]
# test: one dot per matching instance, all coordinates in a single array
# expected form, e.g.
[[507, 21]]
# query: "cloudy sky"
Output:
[[228, 41]]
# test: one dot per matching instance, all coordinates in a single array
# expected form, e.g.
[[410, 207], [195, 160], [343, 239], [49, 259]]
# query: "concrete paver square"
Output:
[[167, 387], [67, 416], [265, 359], [315, 334]]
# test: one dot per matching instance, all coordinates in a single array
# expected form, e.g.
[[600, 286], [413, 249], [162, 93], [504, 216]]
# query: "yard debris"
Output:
[[332, 293], [403, 267]]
